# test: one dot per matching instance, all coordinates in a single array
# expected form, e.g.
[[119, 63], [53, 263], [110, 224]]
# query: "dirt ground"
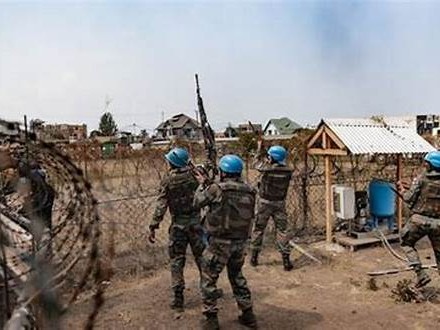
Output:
[[335, 295]]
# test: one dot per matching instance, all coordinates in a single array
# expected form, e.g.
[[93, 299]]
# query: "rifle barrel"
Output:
[[390, 185], [197, 84]]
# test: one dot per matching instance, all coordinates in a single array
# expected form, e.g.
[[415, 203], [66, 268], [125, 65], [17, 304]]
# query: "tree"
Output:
[[107, 125]]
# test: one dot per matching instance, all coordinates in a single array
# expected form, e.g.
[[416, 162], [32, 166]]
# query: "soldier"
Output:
[[273, 186], [177, 194], [423, 198], [39, 202], [38, 194], [231, 204]]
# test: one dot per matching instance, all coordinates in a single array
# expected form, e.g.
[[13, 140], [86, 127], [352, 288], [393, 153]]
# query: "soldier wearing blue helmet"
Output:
[[273, 186], [176, 193], [423, 198], [231, 204]]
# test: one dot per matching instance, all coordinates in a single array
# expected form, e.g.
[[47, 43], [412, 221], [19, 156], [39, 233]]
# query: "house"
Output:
[[281, 126], [8, 128], [219, 135], [250, 128], [65, 132], [428, 124], [232, 132], [179, 126]]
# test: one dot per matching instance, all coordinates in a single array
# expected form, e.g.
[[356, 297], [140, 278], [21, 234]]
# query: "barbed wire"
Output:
[[47, 264]]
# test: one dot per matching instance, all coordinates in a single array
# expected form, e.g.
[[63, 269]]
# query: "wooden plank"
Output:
[[323, 152], [399, 200], [357, 242], [328, 193], [365, 234], [315, 137], [334, 138]]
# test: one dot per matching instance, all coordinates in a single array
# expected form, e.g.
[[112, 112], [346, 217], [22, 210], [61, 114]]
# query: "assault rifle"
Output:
[[208, 135], [197, 170]]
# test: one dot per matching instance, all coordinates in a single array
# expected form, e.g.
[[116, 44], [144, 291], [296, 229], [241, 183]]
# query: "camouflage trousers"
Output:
[[266, 210], [220, 254], [415, 229], [180, 238]]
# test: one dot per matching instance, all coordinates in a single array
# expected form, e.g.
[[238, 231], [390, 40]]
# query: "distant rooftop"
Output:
[[284, 125]]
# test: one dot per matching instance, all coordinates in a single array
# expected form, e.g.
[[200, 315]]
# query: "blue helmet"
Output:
[[178, 157], [231, 164], [433, 158], [278, 154]]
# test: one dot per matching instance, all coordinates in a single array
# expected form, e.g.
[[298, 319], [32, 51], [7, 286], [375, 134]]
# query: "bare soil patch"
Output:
[[335, 295]]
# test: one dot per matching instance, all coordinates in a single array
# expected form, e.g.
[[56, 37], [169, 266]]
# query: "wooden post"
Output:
[[305, 201], [328, 192], [399, 200]]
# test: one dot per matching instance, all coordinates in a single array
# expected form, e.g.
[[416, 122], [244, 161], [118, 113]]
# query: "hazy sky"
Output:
[[305, 60]]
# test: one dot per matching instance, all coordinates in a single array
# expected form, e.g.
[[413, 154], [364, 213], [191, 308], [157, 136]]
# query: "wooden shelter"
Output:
[[345, 137]]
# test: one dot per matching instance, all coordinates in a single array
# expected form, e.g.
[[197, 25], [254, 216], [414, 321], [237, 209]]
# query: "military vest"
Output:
[[275, 182], [232, 217], [428, 201], [181, 188]]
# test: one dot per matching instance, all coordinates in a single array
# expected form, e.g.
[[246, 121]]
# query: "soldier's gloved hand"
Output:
[[200, 177], [152, 234]]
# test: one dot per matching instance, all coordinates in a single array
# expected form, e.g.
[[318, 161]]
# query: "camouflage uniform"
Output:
[[228, 222], [39, 203], [424, 201], [177, 193], [273, 187]]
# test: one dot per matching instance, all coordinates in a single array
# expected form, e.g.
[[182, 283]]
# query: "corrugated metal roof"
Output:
[[367, 136]]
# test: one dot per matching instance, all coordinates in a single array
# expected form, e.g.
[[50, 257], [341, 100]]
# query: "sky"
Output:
[[307, 60]]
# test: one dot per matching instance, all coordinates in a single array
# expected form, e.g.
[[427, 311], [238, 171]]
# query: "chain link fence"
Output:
[[126, 187], [104, 204]]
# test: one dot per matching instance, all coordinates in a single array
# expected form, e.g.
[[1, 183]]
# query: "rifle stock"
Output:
[[196, 170]]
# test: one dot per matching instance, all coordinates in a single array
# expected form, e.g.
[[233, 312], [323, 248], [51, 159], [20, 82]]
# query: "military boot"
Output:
[[422, 278], [254, 258], [248, 319], [177, 303], [210, 322], [286, 262]]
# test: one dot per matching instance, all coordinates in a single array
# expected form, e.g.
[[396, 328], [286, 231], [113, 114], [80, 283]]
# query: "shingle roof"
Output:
[[368, 136], [284, 125], [177, 121]]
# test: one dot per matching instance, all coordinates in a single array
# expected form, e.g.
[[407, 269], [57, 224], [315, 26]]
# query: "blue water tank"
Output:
[[382, 199]]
